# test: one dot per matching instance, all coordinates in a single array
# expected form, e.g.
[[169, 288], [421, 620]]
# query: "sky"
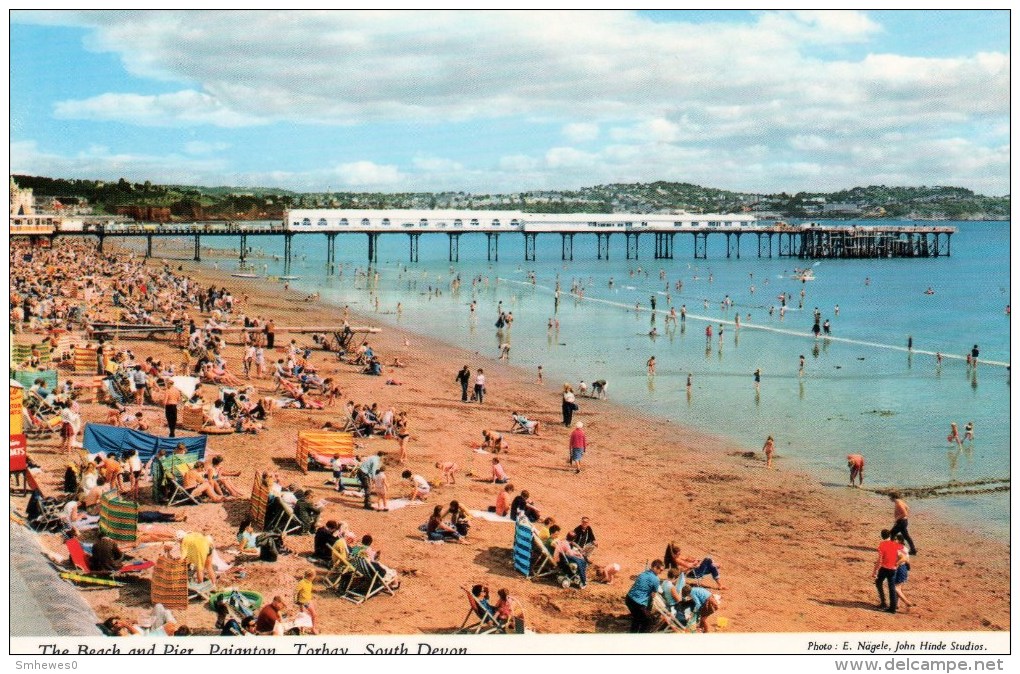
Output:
[[752, 101]]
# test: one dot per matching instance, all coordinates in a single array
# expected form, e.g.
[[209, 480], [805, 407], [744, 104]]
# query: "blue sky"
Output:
[[483, 101]]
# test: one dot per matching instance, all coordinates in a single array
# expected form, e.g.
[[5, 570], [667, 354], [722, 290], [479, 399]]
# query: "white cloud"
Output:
[[182, 108], [568, 157], [366, 174], [741, 105], [580, 132]]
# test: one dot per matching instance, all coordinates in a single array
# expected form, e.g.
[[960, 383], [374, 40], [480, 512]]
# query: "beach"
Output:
[[796, 554]]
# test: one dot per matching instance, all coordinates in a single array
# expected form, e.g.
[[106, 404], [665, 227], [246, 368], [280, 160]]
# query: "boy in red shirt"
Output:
[[885, 570]]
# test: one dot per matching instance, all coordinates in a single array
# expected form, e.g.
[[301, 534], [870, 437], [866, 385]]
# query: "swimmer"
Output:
[[968, 432], [651, 366], [800, 369]]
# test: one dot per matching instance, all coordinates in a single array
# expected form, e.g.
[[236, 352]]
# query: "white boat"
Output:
[[245, 275], [289, 278]]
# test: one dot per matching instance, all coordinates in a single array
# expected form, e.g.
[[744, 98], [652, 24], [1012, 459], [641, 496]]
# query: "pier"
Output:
[[764, 239]]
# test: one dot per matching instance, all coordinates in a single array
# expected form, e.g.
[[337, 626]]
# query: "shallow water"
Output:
[[861, 391]]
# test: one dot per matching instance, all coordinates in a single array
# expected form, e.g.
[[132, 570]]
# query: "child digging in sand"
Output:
[[448, 469], [419, 486]]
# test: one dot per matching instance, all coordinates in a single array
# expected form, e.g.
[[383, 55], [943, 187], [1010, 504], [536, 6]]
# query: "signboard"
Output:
[[19, 453], [19, 445]]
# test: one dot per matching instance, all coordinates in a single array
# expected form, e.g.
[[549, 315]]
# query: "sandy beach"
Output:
[[796, 555]]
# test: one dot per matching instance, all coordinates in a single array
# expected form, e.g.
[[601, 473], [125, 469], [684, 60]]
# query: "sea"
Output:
[[862, 390]]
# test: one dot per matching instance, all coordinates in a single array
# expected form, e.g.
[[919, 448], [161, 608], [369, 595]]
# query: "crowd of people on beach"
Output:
[[68, 291]]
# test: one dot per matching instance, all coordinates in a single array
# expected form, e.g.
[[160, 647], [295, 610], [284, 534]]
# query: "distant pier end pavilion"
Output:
[[810, 240]]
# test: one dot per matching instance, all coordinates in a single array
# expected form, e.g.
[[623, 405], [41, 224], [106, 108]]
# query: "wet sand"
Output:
[[796, 555]]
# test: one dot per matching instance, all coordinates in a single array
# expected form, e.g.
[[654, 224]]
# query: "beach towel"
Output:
[[490, 517], [170, 583], [398, 503], [118, 517]]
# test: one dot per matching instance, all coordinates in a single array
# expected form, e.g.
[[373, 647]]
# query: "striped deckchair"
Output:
[[86, 579], [118, 517], [258, 504], [170, 583]]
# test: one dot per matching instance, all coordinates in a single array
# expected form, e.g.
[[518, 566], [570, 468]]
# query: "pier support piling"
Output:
[[413, 244], [492, 246], [603, 245], [632, 245], [567, 246], [243, 249], [529, 246], [664, 245], [330, 253], [286, 252], [373, 247], [454, 247], [148, 246], [198, 248], [700, 245]]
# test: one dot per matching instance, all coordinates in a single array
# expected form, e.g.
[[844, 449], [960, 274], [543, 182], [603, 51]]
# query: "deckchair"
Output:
[[482, 620], [198, 590], [368, 577], [286, 522], [350, 426], [80, 560], [341, 572], [170, 583], [520, 427], [86, 579], [44, 514], [543, 563], [168, 475], [669, 621]]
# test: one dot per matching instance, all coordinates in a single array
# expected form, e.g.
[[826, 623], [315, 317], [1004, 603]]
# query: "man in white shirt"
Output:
[[480, 386]]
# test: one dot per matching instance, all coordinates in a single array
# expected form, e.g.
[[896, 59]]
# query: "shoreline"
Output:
[[796, 554], [711, 447]]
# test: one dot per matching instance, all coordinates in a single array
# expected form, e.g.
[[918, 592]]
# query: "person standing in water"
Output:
[[757, 380], [651, 366], [968, 432], [769, 449], [855, 462], [954, 434], [800, 368]]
